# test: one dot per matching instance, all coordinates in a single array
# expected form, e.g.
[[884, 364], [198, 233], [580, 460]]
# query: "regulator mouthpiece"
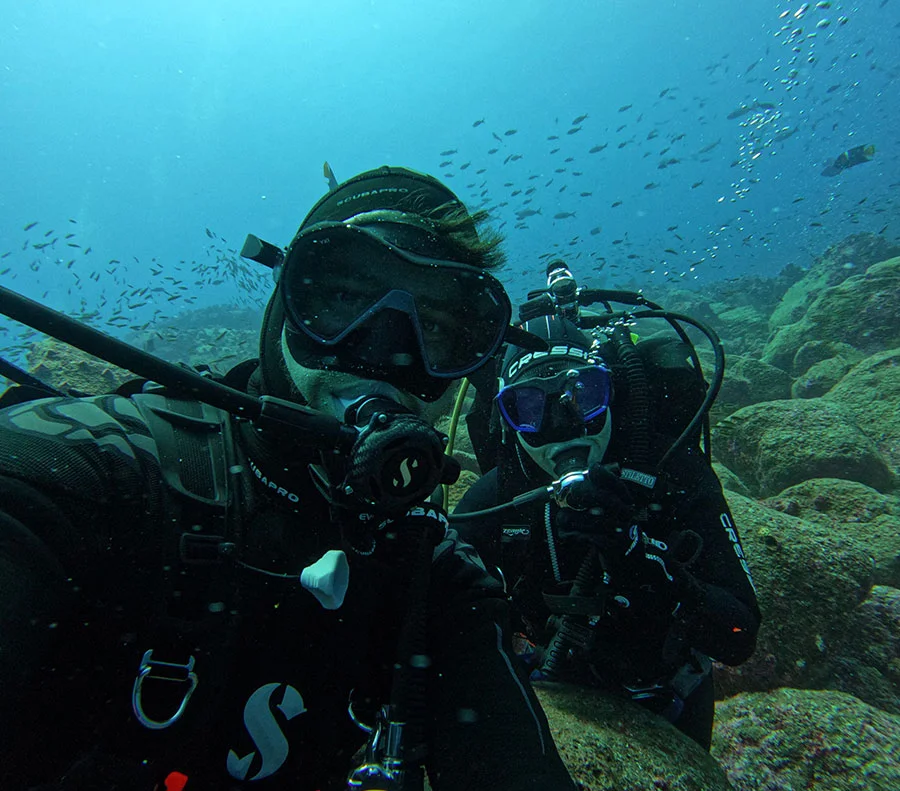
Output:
[[573, 459]]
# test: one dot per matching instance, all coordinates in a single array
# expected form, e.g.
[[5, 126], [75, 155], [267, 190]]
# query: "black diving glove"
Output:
[[598, 511], [653, 573], [601, 492]]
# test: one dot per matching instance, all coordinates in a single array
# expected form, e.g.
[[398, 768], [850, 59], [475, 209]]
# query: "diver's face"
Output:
[[333, 391], [593, 446]]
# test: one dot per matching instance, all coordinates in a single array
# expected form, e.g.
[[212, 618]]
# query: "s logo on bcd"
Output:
[[260, 722]]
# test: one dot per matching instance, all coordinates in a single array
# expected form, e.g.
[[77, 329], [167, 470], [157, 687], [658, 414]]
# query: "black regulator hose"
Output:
[[701, 415], [638, 451], [409, 691], [562, 641], [589, 296], [396, 750]]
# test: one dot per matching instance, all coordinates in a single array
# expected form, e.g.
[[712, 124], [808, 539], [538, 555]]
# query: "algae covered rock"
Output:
[[799, 739], [813, 352], [729, 480], [820, 377], [458, 490], [747, 381], [855, 512], [864, 659], [870, 391], [69, 369], [806, 578], [777, 444], [611, 743], [743, 328], [219, 336], [846, 258], [861, 311]]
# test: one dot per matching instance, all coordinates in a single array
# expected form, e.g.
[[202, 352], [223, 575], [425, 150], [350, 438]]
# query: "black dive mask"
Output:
[[389, 300]]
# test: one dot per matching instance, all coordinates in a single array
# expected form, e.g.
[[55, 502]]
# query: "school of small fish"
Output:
[[504, 170]]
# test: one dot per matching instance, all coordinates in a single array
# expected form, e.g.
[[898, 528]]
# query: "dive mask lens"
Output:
[[337, 277], [575, 394]]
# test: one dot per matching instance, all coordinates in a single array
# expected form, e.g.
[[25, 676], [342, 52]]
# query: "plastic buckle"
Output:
[[156, 670], [196, 549], [691, 674]]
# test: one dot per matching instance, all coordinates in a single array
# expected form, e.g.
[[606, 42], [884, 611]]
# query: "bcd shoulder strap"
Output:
[[194, 622]]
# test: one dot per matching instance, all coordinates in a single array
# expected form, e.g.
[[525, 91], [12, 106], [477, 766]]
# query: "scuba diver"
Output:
[[244, 583], [600, 511]]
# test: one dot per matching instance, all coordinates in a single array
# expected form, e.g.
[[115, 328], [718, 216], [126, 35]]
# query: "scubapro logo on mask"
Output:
[[367, 193], [272, 747]]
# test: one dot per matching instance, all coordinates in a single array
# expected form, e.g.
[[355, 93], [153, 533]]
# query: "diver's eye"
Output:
[[429, 326], [434, 319]]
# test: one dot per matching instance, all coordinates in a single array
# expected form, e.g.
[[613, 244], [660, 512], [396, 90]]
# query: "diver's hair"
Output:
[[478, 243]]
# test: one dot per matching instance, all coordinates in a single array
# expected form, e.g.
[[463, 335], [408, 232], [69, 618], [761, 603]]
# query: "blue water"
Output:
[[147, 123]]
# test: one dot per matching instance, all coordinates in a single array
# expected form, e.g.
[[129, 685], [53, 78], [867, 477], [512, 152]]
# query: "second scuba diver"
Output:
[[633, 578]]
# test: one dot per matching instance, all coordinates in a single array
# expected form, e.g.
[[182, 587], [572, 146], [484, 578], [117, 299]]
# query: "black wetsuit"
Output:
[[638, 641], [91, 577]]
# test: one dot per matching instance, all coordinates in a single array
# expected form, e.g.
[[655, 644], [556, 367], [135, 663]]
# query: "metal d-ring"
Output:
[[155, 669]]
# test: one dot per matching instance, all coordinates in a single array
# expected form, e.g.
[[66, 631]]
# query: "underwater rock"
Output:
[[767, 383], [820, 377], [806, 578], [607, 742], [463, 451], [747, 381], [854, 512], [813, 352], [799, 739], [777, 444], [69, 369], [862, 311], [219, 336], [744, 329], [870, 391], [458, 489], [730, 482], [763, 294], [864, 659], [847, 258]]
